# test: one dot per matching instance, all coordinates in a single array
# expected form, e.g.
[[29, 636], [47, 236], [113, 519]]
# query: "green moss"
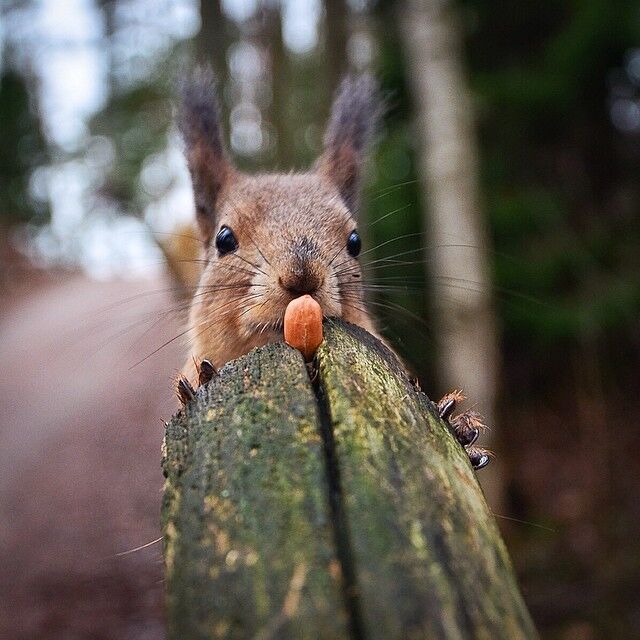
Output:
[[428, 556], [252, 548], [248, 506]]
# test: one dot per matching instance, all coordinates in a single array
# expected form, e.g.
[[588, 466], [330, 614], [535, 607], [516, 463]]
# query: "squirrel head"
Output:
[[269, 238]]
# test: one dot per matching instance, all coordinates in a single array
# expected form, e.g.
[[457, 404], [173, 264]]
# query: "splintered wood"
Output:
[[303, 325]]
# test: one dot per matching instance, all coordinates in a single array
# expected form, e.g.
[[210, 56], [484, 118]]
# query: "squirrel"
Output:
[[270, 238]]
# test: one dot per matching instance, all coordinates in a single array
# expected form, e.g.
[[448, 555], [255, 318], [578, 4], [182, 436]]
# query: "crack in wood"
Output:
[[337, 508]]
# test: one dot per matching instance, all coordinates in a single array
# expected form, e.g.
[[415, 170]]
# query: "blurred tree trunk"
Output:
[[458, 242], [212, 40], [336, 29], [279, 112]]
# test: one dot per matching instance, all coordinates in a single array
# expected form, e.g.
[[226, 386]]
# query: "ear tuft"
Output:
[[199, 123], [199, 118], [355, 116]]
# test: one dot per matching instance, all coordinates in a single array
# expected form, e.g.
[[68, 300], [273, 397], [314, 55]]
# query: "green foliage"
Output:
[[22, 149], [136, 120], [554, 168], [392, 213]]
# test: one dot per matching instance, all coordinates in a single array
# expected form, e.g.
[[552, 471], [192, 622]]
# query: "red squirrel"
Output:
[[272, 237]]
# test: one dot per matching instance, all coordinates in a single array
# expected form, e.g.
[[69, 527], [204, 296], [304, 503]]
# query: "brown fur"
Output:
[[292, 229]]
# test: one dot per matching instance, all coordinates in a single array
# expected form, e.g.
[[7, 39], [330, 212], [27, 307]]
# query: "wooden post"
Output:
[[330, 505]]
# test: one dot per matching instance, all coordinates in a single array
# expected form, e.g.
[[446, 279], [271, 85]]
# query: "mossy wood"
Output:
[[330, 505]]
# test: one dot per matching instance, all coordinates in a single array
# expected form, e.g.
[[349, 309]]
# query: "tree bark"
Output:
[[458, 244], [329, 505]]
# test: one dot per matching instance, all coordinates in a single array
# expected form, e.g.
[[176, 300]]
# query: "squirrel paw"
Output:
[[465, 426], [479, 457], [185, 391], [206, 371]]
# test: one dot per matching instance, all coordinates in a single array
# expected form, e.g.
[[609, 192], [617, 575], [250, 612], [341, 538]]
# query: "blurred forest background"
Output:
[[501, 215]]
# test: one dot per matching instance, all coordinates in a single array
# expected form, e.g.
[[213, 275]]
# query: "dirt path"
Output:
[[80, 435]]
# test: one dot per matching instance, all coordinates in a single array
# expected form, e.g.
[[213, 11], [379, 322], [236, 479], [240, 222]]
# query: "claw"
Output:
[[447, 404], [467, 427], [480, 458], [206, 371], [185, 391]]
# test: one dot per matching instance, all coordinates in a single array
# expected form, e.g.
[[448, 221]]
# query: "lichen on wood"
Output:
[[247, 537], [430, 560], [336, 505]]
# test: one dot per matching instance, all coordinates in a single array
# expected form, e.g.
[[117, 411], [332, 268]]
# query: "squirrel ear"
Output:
[[199, 122], [355, 115]]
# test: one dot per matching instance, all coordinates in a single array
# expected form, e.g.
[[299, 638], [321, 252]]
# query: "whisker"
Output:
[[203, 291], [397, 307], [491, 287], [390, 288], [142, 546], [386, 215], [395, 255], [144, 294], [392, 188], [186, 331], [255, 266], [189, 306], [335, 256], [236, 268], [207, 326], [175, 235], [250, 238], [386, 242], [400, 278]]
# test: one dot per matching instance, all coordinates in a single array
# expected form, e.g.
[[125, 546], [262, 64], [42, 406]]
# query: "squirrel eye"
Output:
[[354, 244], [225, 241]]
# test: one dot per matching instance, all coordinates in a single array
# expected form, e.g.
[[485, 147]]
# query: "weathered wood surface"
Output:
[[247, 536], [337, 507]]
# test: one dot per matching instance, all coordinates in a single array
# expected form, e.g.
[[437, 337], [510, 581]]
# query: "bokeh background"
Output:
[[502, 229]]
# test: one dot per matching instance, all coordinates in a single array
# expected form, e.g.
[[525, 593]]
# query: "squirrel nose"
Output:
[[303, 272], [301, 282]]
